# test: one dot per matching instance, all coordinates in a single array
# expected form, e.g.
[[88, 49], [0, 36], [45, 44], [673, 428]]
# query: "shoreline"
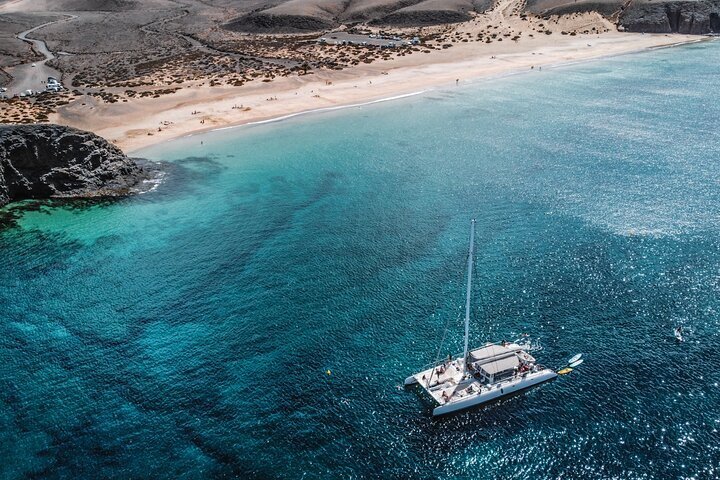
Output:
[[280, 118], [155, 121], [317, 110]]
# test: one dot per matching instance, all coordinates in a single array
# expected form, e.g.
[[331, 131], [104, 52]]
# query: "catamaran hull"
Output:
[[499, 391], [411, 380]]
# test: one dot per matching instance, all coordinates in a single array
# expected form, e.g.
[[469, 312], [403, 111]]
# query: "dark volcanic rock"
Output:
[[412, 18], [690, 16], [607, 8], [263, 22], [49, 161]]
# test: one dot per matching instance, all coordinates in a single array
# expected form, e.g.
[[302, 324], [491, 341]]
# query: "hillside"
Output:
[[298, 16], [315, 15]]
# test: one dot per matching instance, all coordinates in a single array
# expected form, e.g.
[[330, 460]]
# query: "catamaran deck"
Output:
[[494, 371]]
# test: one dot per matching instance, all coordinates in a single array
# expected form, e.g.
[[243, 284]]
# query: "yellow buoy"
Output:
[[328, 372]]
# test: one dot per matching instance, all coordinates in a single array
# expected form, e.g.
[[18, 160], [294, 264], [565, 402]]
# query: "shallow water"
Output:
[[186, 333]]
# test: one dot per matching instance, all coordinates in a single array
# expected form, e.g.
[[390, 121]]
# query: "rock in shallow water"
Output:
[[51, 161]]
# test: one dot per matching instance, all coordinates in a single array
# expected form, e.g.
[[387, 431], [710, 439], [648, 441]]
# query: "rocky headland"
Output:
[[52, 161], [695, 17]]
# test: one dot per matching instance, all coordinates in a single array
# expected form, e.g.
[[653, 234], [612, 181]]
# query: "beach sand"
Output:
[[145, 121]]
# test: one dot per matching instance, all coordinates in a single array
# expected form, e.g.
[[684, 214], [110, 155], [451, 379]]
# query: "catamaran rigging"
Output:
[[485, 374]]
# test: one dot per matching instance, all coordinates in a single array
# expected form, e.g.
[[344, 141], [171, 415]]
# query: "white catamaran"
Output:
[[488, 373]]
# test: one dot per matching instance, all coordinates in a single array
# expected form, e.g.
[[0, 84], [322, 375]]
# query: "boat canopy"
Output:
[[495, 361], [503, 364], [489, 352]]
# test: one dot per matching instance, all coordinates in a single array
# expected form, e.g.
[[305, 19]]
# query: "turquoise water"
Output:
[[186, 332]]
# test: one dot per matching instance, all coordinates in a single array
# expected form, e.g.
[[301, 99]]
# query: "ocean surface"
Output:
[[188, 332]]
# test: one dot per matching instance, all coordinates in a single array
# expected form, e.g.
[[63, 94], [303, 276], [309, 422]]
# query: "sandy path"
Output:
[[145, 121]]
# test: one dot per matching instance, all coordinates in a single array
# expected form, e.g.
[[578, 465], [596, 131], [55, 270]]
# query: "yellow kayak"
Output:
[[565, 371]]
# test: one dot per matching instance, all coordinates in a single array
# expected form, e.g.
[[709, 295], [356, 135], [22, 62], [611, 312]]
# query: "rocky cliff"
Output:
[[689, 16], [697, 17], [49, 161]]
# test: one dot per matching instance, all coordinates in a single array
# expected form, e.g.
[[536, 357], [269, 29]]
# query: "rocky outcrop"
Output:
[[292, 16], [692, 17], [606, 8], [434, 12], [418, 17], [698, 17], [264, 22], [50, 161]]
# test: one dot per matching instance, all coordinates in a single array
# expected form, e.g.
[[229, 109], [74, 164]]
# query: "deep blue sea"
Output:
[[187, 332]]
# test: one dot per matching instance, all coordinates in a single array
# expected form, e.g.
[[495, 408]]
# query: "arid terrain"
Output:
[[205, 63]]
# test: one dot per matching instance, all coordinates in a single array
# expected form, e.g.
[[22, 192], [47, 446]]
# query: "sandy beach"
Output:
[[145, 121]]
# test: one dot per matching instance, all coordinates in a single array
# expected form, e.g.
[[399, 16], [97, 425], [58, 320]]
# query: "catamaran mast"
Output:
[[467, 300]]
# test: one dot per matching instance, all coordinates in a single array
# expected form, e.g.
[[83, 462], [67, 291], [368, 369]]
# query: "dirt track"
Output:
[[32, 75]]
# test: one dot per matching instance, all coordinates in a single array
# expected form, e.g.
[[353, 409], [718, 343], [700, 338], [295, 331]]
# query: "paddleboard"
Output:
[[565, 371], [576, 363], [575, 358]]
